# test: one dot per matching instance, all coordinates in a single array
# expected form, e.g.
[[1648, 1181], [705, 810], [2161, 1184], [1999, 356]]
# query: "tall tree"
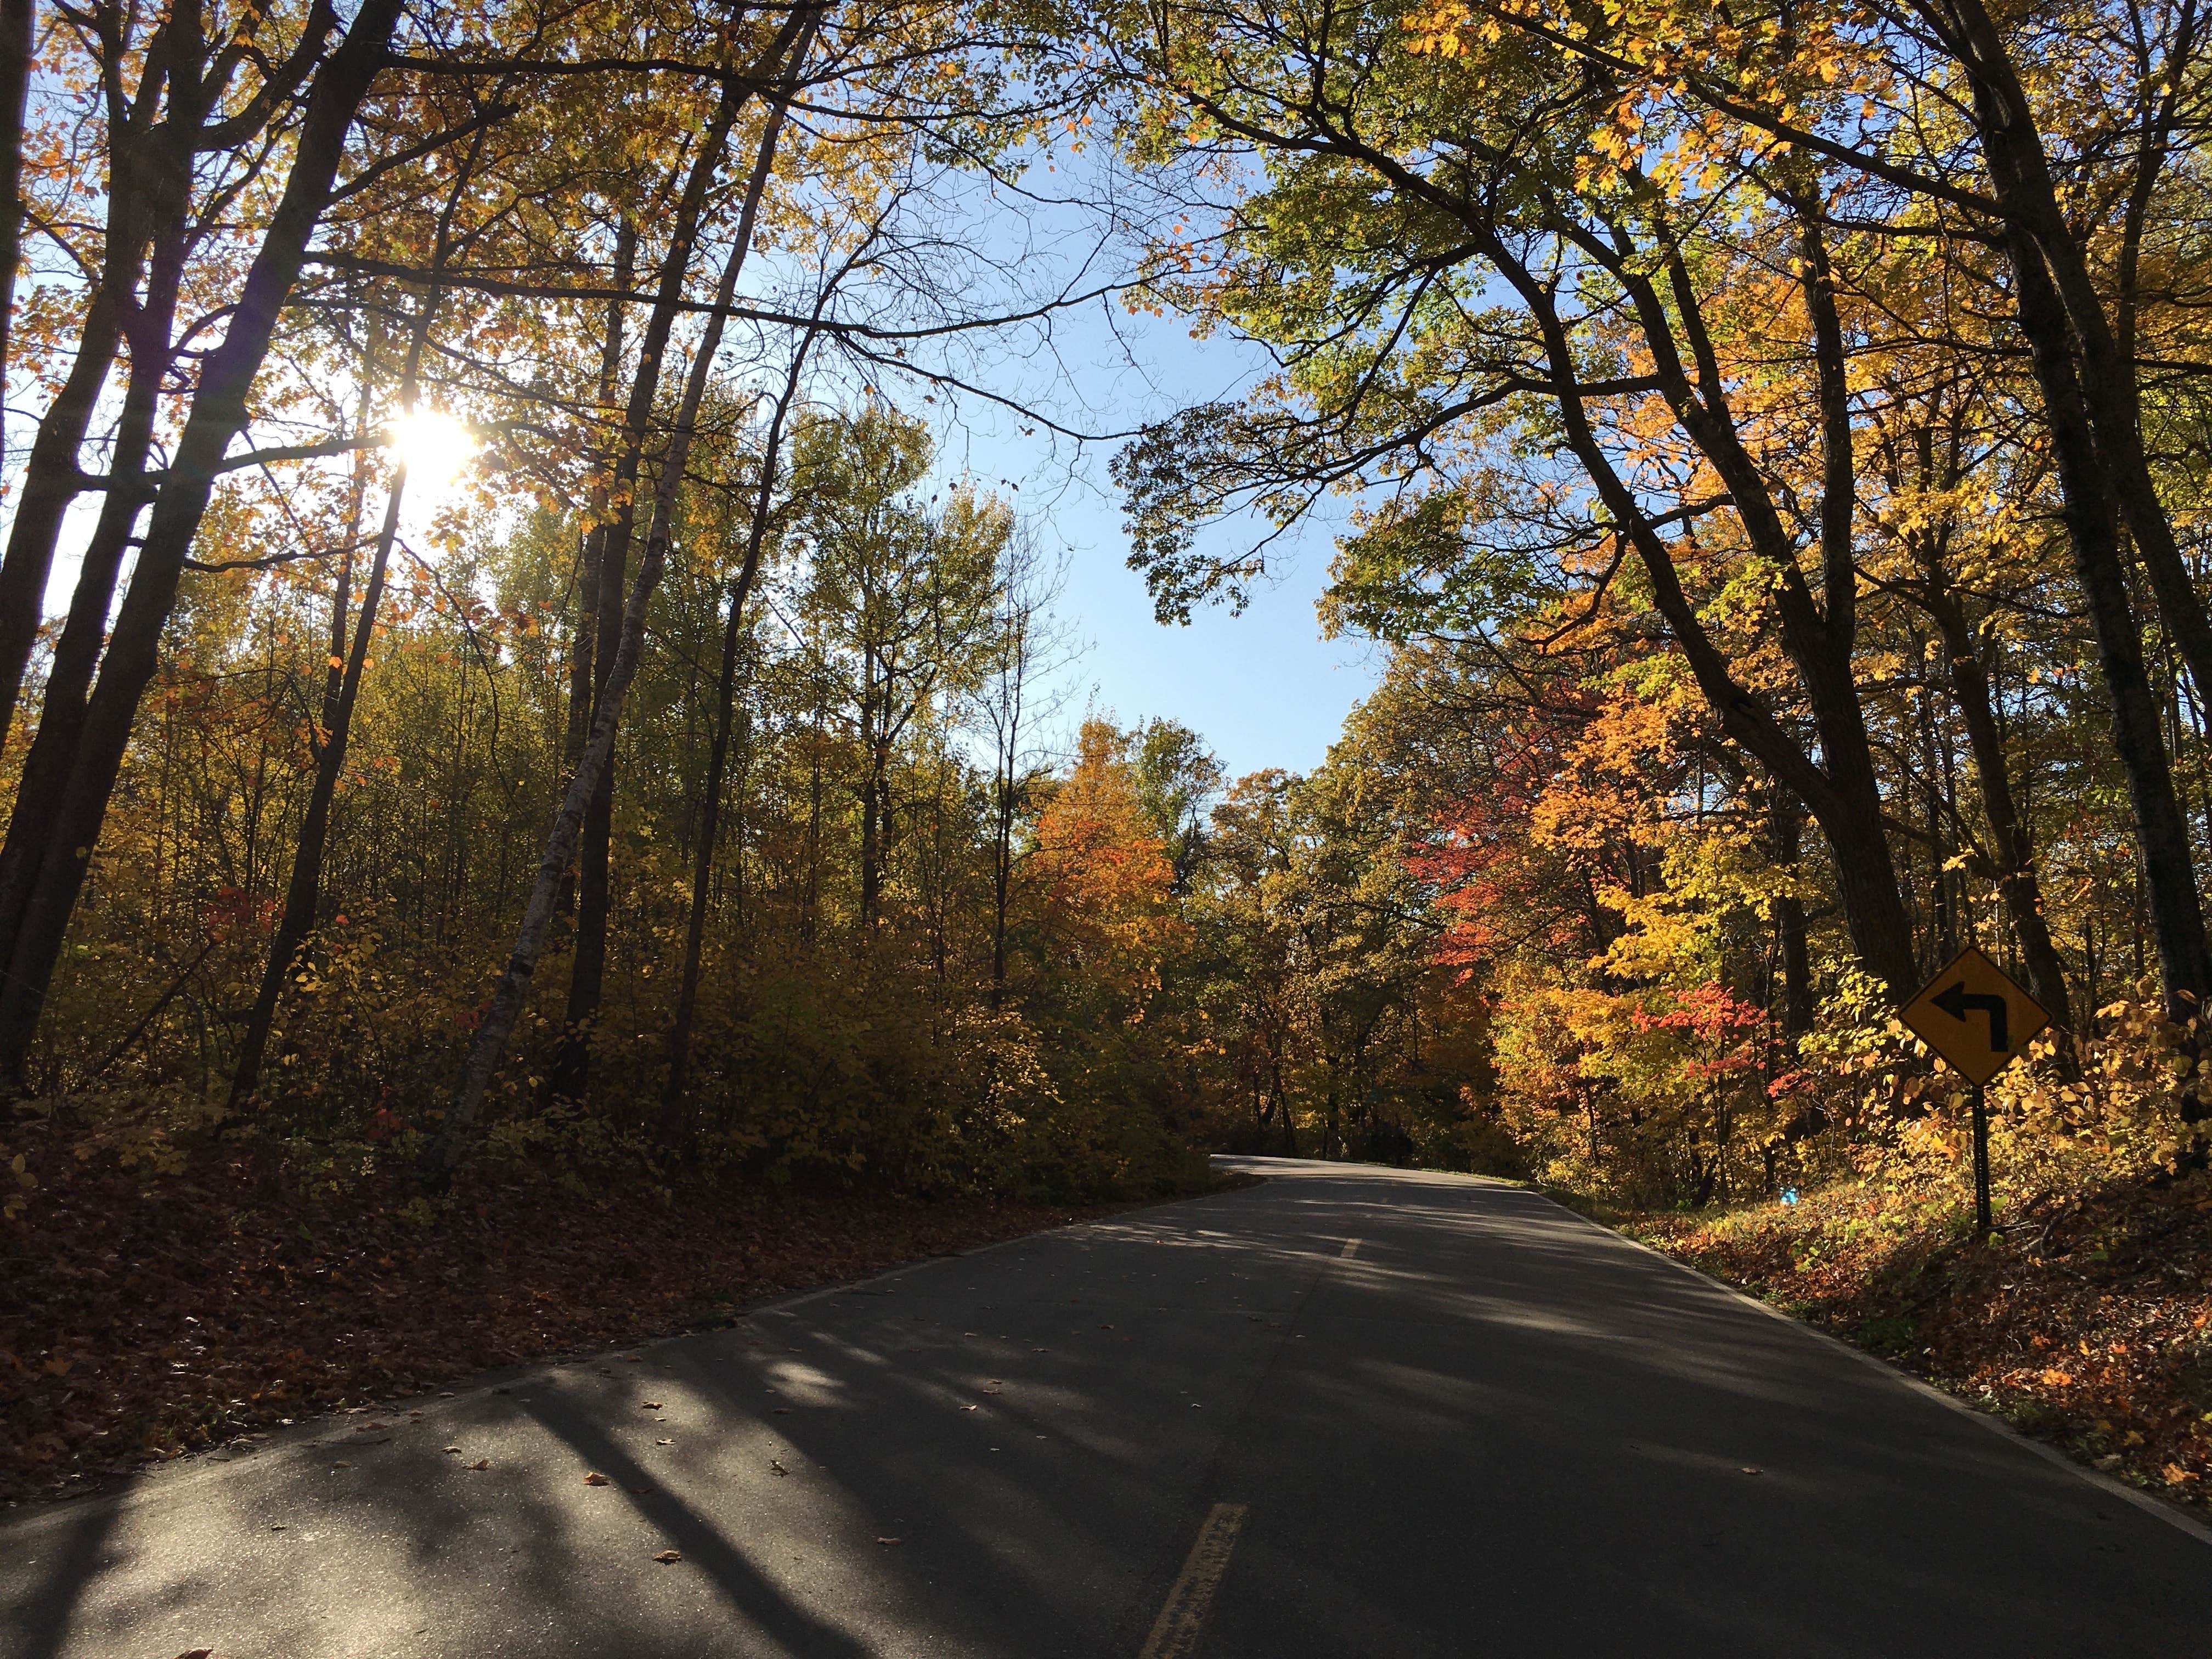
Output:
[[1841, 92], [577, 804], [304, 891], [1619, 313], [569, 1075], [19, 43], [900, 591], [55, 874], [584, 628], [162, 202], [674, 460], [1013, 702]]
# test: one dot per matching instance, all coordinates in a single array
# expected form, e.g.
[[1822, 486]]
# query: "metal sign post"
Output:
[[1981, 1110], [1979, 1021]]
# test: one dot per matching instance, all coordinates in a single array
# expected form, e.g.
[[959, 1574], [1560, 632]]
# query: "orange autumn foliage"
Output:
[[1106, 908]]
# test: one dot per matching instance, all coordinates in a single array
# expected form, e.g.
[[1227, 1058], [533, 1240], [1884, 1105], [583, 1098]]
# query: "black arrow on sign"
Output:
[[1956, 1002]]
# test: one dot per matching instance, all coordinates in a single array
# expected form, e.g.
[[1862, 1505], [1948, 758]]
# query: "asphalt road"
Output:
[[1210, 1428]]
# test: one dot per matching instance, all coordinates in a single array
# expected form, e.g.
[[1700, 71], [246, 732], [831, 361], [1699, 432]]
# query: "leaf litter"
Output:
[[2087, 1323], [145, 1316]]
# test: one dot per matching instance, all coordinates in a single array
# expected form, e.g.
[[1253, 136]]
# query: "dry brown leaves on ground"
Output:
[[2088, 1323], [143, 1316]]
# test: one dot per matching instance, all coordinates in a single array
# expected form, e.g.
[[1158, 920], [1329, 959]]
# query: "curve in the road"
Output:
[[1350, 1412]]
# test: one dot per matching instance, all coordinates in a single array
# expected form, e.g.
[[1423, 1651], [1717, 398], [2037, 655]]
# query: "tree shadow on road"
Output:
[[36, 1627]]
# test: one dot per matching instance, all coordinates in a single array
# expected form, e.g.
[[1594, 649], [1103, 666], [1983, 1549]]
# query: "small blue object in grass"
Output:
[[1789, 1194]]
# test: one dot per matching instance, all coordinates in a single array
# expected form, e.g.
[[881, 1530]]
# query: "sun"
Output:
[[433, 446]]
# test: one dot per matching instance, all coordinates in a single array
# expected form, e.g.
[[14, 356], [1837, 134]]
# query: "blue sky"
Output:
[[1262, 688]]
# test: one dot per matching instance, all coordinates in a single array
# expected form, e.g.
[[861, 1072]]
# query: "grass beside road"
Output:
[[2088, 1323]]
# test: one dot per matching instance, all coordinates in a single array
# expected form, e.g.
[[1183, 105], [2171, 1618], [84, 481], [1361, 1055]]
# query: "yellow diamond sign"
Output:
[[1974, 1016]]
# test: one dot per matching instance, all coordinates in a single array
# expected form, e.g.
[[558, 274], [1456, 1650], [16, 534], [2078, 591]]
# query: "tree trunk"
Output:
[[871, 849], [76, 653], [583, 679], [1843, 796], [1006, 803], [219, 413], [151, 160], [304, 893], [658, 537], [2177, 916], [2105, 391], [163, 233], [718, 754], [505, 1002], [2008, 840], [19, 39], [51, 482], [569, 1076], [1786, 827], [23, 590], [341, 584], [505, 1005]]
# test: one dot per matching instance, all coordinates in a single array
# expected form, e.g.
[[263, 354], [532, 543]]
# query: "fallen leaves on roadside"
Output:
[[648, 1405], [321, 1303], [776, 1466], [669, 1557], [971, 1408], [2085, 1321], [664, 1443], [595, 1479], [891, 1540], [452, 1451], [481, 1463]]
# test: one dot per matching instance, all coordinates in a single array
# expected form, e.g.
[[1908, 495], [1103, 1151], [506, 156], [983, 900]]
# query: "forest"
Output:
[[509, 680]]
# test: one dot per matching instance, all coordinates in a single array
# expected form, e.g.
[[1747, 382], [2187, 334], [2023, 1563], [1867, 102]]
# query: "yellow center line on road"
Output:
[[1350, 1249], [1182, 1621]]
